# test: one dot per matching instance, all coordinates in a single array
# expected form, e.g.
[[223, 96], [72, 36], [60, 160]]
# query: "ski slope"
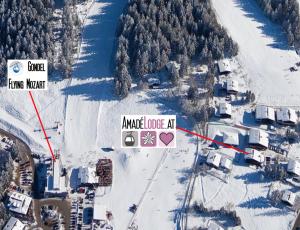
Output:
[[263, 52]]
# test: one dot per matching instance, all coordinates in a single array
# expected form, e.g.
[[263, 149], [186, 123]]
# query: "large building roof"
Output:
[[231, 138], [19, 203], [14, 224]]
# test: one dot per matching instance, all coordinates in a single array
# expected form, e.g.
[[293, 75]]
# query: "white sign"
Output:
[[148, 131], [27, 75]]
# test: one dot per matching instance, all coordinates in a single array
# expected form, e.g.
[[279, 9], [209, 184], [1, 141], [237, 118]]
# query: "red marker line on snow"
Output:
[[42, 125], [209, 139]]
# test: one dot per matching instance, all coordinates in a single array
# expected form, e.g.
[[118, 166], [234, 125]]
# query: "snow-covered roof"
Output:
[[14, 224], [224, 66], [258, 136], [87, 175], [214, 159], [286, 115], [226, 163], [254, 155], [55, 182], [19, 203], [294, 167], [264, 112], [289, 197], [225, 108], [231, 138], [232, 85], [153, 80], [99, 211], [56, 173]]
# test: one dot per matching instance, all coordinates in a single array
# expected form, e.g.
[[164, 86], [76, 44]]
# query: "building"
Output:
[[14, 224], [231, 138], [226, 163], [286, 116], [232, 86], [224, 66], [214, 159], [254, 157], [104, 169], [289, 198], [19, 203], [87, 176], [293, 167], [225, 110], [264, 114], [153, 82], [56, 181], [258, 139]]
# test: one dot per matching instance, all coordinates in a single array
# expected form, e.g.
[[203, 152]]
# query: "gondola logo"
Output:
[[16, 68]]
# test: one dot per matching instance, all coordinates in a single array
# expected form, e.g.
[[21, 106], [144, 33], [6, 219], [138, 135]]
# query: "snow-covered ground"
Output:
[[156, 180], [263, 52]]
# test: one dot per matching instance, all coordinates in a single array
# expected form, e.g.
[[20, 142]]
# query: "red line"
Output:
[[209, 139], [41, 123]]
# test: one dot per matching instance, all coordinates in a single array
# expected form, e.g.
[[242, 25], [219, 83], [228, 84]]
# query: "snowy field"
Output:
[[263, 52], [88, 115]]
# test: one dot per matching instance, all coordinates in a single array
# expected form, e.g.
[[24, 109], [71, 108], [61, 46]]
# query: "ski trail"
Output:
[[154, 175]]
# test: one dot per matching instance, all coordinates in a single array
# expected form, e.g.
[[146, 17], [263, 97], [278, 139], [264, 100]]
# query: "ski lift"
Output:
[[129, 139]]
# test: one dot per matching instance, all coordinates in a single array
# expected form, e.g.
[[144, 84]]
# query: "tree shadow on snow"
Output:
[[98, 41], [101, 90], [257, 202], [267, 27]]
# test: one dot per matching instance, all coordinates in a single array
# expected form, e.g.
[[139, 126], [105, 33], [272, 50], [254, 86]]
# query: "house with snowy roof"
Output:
[[224, 66], [264, 114], [293, 167], [289, 198], [254, 157], [258, 139], [214, 159], [225, 110], [232, 86], [286, 116]]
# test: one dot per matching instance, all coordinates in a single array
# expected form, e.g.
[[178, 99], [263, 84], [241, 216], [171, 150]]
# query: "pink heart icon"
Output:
[[166, 138]]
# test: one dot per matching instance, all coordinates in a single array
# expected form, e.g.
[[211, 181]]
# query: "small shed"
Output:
[[231, 138], [254, 157], [293, 167], [264, 114], [286, 116], [232, 86], [225, 110], [224, 66], [258, 139], [214, 159], [289, 198]]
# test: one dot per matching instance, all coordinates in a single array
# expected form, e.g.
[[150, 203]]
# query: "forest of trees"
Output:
[[152, 32], [285, 13], [70, 36], [25, 31]]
